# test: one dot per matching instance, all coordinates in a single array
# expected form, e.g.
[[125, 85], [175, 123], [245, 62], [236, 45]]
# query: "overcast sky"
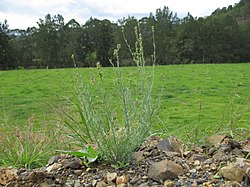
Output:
[[26, 13]]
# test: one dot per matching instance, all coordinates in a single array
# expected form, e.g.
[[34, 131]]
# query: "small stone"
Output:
[[225, 148], [171, 144], [101, 184], [207, 184], [187, 153], [198, 168], [219, 155], [164, 170], [7, 175], [246, 147], [121, 185], [193, 171], [216, 139], [144, 177], [232, 173], [237, 152], [122, 180], [138, 156], [94, 182], [77, 183], [171, 154], [211, 151], [75, 163], [131, 171], [209, 161], [197, 162], [231, 184], [248, 173], [233, 144], [78, 172], [201, 158], [88, 169], [144, 185], [186, 166], [213, 166], [197, 149], [169, 183], [53, 167], [45, 184], [53, 160], [134, 180], [243, 163], [194, 184], [110, 177]]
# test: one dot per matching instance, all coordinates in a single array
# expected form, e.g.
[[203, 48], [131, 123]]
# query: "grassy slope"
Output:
[[185, 89]]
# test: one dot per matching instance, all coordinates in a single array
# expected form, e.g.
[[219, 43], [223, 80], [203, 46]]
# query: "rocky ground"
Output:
[[158, 162]]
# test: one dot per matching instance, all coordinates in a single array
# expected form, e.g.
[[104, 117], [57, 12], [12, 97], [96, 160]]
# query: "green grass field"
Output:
[[193, 97]]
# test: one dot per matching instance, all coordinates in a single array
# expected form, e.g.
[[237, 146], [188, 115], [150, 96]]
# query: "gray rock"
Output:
[[243, 163], [232, 173], [53, 160], [171, 144], [144, 185], [164, 170], [201, 158], [233, 144], [231, 184], [78, 172], [138, 156], [219, 155], [211, 151], [45, 184], [237, 152], [7, 175], [77, 183], [169, 183], [55, 166], [94, 182], [110, 177], [101, 184], [216, 139], [74, 163], [246, 147]]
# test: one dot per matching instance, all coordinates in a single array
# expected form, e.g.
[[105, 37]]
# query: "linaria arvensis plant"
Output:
[[117, 129]]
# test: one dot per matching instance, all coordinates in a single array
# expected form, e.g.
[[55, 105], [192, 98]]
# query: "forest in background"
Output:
[[222, 37]]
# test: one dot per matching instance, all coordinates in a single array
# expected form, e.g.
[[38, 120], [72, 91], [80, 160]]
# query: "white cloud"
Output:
[[25, 13]]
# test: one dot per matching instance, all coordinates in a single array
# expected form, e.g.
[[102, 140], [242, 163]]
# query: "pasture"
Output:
[[194, 99]]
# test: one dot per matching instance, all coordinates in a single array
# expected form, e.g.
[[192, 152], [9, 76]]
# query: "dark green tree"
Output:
[[25, 45], [104, 41], [49, 40], [165, 25], [7, 60]]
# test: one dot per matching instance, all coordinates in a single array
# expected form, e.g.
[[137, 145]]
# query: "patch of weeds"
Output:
[[228, 124], [25, 148], [120, 165], [231, 115]]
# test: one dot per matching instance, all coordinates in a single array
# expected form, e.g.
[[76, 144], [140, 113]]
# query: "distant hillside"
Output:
[[241, 11]]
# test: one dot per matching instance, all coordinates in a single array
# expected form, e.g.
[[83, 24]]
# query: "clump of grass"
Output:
[[25, 148], [232, 114], [117, 128]]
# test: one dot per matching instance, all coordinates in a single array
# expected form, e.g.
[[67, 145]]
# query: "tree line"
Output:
[[222, 37]]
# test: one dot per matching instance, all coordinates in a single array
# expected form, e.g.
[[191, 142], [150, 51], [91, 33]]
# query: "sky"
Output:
[[22, 14]]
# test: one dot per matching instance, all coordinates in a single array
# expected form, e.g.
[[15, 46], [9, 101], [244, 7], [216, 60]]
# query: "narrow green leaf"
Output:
[[80, 153]]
